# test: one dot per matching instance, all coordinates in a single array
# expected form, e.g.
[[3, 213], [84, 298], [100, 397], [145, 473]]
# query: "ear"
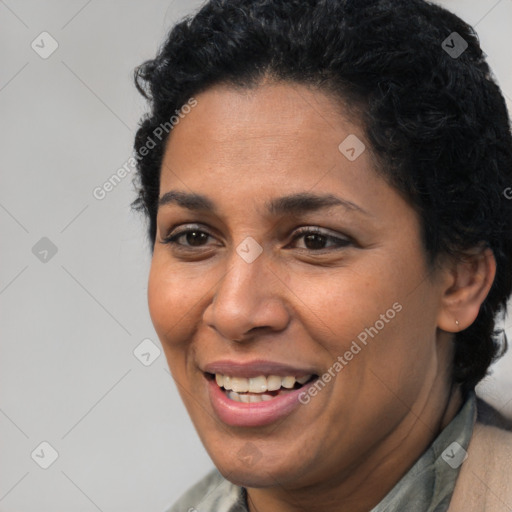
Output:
[[468, 281]]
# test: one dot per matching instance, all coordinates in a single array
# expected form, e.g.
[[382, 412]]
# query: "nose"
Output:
[[248, 299]]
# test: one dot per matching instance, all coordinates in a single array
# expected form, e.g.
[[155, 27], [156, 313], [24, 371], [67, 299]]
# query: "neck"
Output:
[[363, 487]]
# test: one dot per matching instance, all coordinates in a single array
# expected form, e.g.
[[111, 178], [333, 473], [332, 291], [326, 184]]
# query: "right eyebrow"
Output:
[[291, 204]]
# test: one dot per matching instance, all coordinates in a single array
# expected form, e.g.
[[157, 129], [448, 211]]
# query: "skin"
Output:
[[304, 306]]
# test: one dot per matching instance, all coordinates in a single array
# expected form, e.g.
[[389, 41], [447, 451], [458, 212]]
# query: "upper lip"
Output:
[[255, 368]]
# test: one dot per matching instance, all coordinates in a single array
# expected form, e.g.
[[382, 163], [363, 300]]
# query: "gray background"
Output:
[[70, 321]]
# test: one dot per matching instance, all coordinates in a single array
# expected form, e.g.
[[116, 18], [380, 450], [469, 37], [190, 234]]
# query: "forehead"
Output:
[[275, 131], [244, 146], [270, 108]]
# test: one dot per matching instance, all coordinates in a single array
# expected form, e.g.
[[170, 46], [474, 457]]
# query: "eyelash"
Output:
[[301, 232]]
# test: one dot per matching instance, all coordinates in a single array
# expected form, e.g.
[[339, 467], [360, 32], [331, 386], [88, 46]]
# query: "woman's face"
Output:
[[248, 296]]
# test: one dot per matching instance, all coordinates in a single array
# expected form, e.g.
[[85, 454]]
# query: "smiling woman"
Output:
[[331, 247]]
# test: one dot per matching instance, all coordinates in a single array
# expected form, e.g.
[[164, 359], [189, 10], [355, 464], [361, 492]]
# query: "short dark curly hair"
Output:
[[435, 120]]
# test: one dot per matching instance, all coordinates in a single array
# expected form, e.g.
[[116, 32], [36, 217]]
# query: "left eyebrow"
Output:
[[291, 204]]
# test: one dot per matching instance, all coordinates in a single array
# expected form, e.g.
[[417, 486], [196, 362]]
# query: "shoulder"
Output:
[[213, 493], [485, 479]]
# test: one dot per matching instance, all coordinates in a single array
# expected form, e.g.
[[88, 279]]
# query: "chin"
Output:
[[249, 468], [255, 479], [258, 477]]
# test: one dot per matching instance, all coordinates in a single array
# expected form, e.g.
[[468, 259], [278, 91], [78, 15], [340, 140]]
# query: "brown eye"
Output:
[[195, 238], [315, 239]]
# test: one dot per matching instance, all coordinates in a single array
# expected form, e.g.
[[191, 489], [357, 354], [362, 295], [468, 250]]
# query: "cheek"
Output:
[[342, 303], [159, 299], [372, 316], [398, 354], [170, 304]]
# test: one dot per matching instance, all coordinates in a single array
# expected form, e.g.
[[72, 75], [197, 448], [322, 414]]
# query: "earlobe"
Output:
[[470, 279]]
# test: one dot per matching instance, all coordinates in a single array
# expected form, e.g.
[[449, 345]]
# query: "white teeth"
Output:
[[288, 382], [273, 382], [249, 398], [260, 384], [234, 396], [239, 384]]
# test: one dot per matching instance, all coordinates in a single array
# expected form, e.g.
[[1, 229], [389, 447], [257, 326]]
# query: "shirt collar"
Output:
[[428, 486]]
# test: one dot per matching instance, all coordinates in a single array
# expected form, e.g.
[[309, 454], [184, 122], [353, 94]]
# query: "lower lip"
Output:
[[255, 414]]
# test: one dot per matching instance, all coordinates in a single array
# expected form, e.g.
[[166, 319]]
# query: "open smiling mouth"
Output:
[[258, 389]]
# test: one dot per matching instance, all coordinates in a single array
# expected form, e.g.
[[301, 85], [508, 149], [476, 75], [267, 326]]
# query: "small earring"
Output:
[[457, 323]]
